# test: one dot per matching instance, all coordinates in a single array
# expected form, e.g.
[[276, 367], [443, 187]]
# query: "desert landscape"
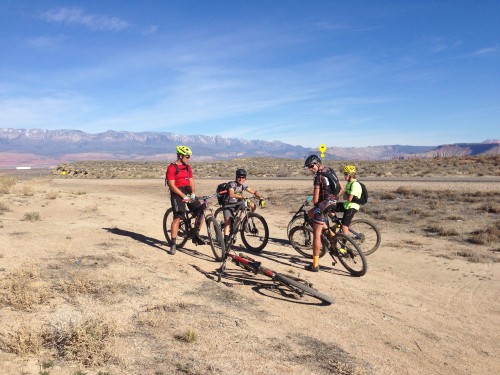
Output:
[[87, 286]]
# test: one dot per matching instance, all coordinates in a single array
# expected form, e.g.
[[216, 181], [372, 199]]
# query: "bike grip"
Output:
[[187, 198], [309, 198]]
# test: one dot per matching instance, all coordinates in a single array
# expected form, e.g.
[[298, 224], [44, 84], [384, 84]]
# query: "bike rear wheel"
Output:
[[215, 237], [350, 255], [254, 232], [182, 234], [301, 239], [300, 288], [366, 234]]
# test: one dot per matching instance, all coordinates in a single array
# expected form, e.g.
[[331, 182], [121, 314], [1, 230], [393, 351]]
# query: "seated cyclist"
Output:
[[236, 198], [180, 181], [323, 200], [352, 189]]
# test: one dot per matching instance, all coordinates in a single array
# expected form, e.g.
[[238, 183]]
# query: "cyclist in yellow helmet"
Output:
[[179, 178], [352, 189]]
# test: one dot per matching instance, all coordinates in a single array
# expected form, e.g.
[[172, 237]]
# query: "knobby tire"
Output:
[[301, 239], [254, 232], [353, 260], [215, 237], [305, 288], [369, 234], [182, 234]]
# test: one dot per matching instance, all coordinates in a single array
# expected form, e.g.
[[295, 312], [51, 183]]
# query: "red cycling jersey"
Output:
[[182, 176]]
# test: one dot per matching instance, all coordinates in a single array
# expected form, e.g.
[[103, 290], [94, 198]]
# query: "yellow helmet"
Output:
[[350, 169], [183, 150]]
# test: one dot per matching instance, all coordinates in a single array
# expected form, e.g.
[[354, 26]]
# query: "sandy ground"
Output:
[[416, 311]]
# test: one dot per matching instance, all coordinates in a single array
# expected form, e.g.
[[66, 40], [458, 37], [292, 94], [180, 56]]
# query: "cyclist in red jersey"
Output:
[[180, 181]]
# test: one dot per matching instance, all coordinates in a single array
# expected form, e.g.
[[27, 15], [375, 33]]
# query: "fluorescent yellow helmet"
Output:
[[350, 169], [184, 150]]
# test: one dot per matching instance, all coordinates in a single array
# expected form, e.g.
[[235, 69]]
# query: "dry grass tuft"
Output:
[[486, 236], [23, 341], [25, 288], [6, 183], [86, 340], [31, 216], [51, 195], [4, 208], [189, 336], [86, 283]]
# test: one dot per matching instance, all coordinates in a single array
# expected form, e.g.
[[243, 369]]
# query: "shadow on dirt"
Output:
[[264, 287]]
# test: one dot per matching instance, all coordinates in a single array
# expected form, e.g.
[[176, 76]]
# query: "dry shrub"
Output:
[[85, 283], [403, 190], [24, 340], [6, 182], [23, 289], [31, 216], [27, 191], [491, 207], [476, 256], [388, 196], [51, 195], [489, 235], [441, 231], [188, 336], [4, 208], [85, 339]]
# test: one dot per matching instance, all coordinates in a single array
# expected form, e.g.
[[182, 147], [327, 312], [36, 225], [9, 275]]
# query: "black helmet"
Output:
[[241, 172], [313, 159]]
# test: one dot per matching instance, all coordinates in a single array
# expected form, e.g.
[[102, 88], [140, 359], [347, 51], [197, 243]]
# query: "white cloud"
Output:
[[485, 51], [77, 16]]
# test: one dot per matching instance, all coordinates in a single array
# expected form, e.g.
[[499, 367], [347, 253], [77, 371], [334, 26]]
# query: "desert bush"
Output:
[[31, 216], [488, 235], [84, 283], [25, 288], [441, 231], [188, 336], [85, 339], [6, 183], [4, 208], [491, 207], [388, 196], [51, 195], [23, 341], [27, 191]]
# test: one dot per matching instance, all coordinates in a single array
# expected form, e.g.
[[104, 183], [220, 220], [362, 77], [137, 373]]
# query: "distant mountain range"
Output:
[[38, 147]]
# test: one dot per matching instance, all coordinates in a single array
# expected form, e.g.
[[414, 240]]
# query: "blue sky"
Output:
[[343, 73]]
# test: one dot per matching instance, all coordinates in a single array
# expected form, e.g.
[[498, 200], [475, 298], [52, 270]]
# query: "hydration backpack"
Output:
[[222, 192], [188, 169], [333, 181], [364, 195]]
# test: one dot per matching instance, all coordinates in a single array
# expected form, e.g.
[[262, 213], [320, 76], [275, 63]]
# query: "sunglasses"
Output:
[[186, 156], [243, 177], [311, 166]]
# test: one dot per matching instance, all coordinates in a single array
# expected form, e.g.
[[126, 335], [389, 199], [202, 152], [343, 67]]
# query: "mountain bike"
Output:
[[252, 226], [363, 231], [297, 286], [187, 227], [340, 247]]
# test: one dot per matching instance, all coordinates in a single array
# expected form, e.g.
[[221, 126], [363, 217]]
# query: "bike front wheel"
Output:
[[300, 287], [254, 232], [215, 237], [301, 239], [182, 234], [350, 255], [366, 234]]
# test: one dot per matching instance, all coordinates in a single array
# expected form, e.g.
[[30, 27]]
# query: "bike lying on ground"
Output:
[[297, 286], [242, 223], [252, 226], [363, 231], [337, 244], [187, 227]]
